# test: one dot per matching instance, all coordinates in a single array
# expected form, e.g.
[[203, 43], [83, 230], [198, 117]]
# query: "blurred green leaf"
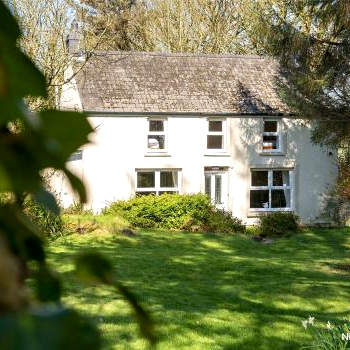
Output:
[[65, 131], [20, 76], [34, 248], [8, 25], [47, 200], [21, 234], [47, 285], [48, 329], [77, 185], [94, 267], [145, 322]]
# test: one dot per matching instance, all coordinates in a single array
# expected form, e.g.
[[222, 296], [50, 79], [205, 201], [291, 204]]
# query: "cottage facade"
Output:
[[183, 123]]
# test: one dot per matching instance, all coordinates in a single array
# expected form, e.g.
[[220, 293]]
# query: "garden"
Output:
[[205, 290], [211, 291]]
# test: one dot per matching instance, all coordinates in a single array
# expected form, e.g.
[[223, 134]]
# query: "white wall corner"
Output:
[[70, 97]]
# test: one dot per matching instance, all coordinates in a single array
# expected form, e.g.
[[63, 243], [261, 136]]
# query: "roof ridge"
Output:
[[178, 54]]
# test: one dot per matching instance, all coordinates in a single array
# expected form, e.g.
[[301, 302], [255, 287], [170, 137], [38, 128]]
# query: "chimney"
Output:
[[74, 39]]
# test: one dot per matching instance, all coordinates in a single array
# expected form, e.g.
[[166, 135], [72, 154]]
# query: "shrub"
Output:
[[174, 212], [223, 221], [49, 223], [332, 336], [278, 223]]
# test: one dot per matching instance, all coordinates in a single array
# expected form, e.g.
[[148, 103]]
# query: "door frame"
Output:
[[224, 172]]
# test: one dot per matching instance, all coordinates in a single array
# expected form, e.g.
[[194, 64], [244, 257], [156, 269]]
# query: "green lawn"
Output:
[[211, 291]]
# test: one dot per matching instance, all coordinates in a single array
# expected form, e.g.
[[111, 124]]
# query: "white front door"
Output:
[[216, 188]]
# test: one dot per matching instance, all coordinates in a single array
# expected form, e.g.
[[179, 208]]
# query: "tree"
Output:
[[121, 21], [311, 40], [198, 26], [45, 25]]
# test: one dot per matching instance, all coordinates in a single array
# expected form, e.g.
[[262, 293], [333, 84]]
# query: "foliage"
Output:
[[223, 222], [278, 223], [343, 184], [198, 26], [329, 337], [41, 142], [49, 223], [189, 212], [311, 40]]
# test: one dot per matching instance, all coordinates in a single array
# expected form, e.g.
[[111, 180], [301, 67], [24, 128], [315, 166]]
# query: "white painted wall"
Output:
[[119, 147]]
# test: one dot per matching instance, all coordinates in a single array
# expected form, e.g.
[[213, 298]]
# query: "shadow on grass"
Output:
[[216, 292]]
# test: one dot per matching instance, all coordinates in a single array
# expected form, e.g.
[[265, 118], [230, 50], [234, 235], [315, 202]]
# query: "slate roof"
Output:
[[178, 83]]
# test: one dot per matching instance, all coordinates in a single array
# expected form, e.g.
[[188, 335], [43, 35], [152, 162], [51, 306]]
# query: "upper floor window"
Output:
[[272, 140], [271, 190], [216, 133], [157, 181], [156, 135]]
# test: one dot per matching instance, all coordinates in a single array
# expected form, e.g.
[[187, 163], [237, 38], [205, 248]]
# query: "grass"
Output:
[[212, 291]]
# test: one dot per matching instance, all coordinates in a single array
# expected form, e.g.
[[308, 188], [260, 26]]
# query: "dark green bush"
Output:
[[224, 222], [278, 223], [175, 212], [49, 223]]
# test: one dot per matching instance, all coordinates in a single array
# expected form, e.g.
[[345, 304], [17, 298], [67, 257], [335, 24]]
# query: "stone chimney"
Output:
[[74, 39]]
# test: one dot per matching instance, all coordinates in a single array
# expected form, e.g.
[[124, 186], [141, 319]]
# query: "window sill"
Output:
[[217, 154], [252, 213], [157, 154], [269, 153]]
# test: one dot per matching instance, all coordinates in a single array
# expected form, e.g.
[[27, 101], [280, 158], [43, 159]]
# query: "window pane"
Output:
[[78, 155], [259, 199], [156, 141], [168, 192], [215, 125], [168, 179], [270, 126], [280, 199], [208, 185], [218, 183], [280, 178], [260, 178], [270, 142], [145, 179], [156, 125], [214, 142]]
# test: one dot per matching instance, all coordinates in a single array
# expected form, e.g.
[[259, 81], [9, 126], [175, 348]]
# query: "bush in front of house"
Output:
[[189, 212], [224, 222], [278, 223]]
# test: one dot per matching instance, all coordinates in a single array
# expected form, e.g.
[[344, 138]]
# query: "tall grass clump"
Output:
[[49, 224]]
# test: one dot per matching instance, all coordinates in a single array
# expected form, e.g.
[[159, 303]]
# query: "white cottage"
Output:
[[185, 123]]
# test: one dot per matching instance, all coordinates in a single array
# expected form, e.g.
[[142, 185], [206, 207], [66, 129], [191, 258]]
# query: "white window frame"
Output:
[[278, 133], [222, 133], [157, 133], [157, 187], [224, 187], [270, 187]]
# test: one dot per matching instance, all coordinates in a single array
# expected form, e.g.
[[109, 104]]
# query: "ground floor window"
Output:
[[271, 189], [157, 181]]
